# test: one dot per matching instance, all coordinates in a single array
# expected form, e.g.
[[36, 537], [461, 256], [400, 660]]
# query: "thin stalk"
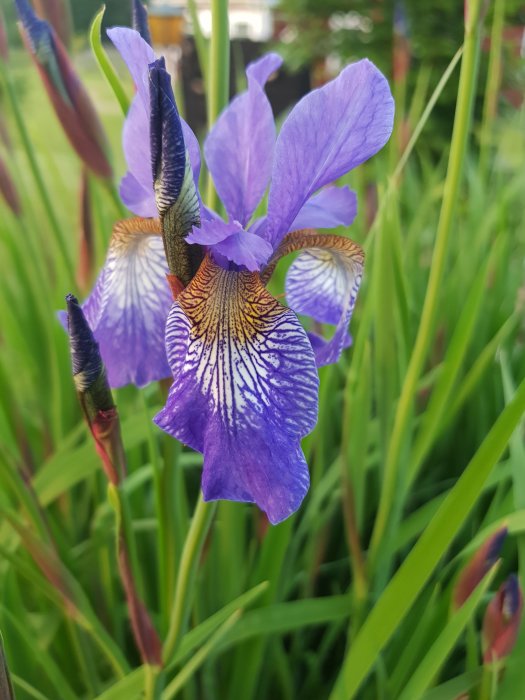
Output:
[[462, 122], [35, 168], [197, 532], [490, 103], [218, 75]]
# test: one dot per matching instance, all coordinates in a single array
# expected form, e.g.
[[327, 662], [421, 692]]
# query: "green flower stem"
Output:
[[462, 121], [35, 168], [218, 75], [200, 524], [493, 82]]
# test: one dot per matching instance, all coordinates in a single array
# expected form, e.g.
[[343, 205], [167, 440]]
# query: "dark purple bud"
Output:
[[168, 152], [85, 355], [93, 390], [473, 573], [175, 193], [139, 16], [68, 96], [57, 13], [8, 189], [502, 621]]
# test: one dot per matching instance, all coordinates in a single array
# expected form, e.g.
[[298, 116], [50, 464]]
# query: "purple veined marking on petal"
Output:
[[129, 304], [322, 283], [244, 391], [239, 148], [330, 131]]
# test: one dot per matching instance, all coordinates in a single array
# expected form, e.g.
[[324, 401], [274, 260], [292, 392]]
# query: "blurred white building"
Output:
[[249, 19]]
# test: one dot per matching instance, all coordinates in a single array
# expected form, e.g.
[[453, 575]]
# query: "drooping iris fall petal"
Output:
[[244, 389], [239, 148], [322, 283], [330, 131], [129, 304]]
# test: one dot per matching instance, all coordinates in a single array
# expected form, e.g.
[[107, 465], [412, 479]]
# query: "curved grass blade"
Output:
[[104, 63]]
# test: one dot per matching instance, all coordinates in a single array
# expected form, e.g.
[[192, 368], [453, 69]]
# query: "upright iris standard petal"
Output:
[[322, 283], [330, 131], [129, 304], [244, 390], [136, 188], [239, 148]]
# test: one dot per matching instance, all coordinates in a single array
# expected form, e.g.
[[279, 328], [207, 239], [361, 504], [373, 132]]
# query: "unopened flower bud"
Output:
[[502, 621], [175, 192], [93, 390], [139, 15], [68, 96], [473, 573], [57, 13]]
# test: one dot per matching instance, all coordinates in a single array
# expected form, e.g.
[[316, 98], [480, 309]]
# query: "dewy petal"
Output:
[[330, 131], [331, 207], [230, 241], [239, 148], [129, 304], [322, 283], [136, 188], [244, 390]]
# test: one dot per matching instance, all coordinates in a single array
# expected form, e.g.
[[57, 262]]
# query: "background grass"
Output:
[[304, 609]]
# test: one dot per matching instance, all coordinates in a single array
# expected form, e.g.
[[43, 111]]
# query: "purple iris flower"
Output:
[[245, 381]]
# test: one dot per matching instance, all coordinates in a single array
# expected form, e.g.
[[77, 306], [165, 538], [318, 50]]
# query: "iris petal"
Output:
[[330, 131], [331, 207], [136, 188], [129, 304], [323, 283], [244, 390], [239, 148], [230, 241]]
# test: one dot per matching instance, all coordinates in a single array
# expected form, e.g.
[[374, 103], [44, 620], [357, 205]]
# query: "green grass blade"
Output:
[[436, 656], [104, 63], [406, 584]]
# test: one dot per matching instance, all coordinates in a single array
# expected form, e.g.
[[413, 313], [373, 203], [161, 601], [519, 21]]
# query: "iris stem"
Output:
[[218, 76], [200, 524], [425, 333], [490, 103], [35, 168]]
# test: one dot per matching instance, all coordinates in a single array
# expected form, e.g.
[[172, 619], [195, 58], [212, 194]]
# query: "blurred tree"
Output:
[[346, 30]]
